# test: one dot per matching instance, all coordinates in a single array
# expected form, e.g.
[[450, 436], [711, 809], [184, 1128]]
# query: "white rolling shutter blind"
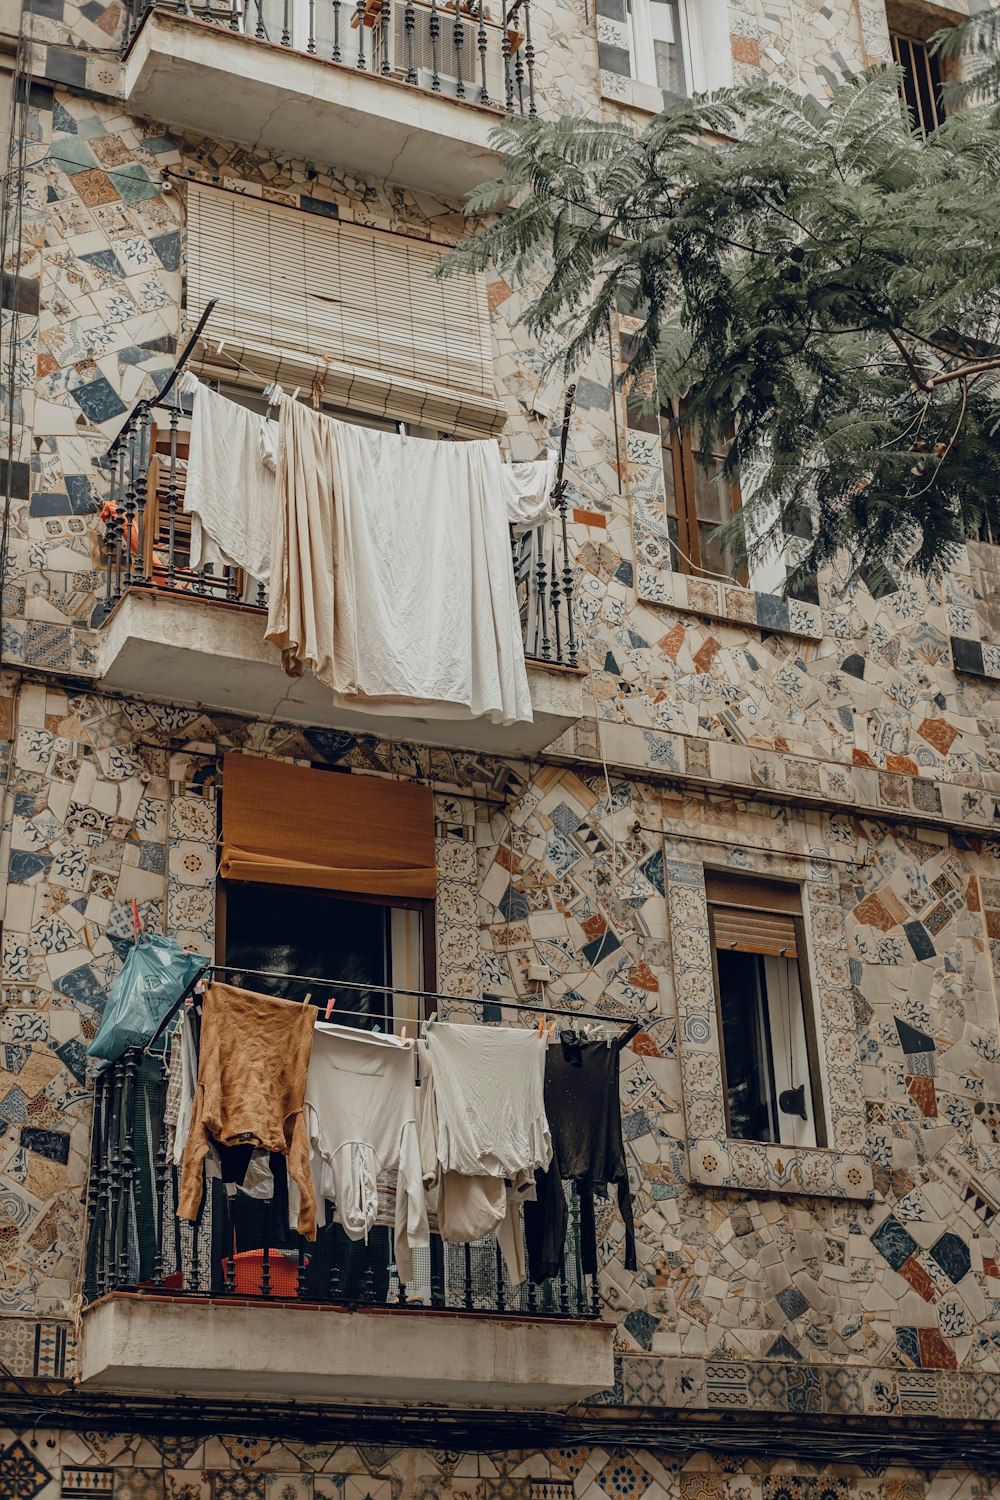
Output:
[[359, 306]]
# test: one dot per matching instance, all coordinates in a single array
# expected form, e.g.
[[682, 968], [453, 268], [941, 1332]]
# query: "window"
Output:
[[698, 499], [769, 1056], [660, 47], [354, 313], [921, 85]]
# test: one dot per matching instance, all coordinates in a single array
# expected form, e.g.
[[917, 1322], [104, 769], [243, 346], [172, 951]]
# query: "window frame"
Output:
[[808, 1058], [898, 38], [642, 52], [411, 1009], [684, 460]]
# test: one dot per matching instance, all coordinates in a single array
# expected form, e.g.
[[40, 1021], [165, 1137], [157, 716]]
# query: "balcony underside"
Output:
[[193, 75], [134, 1343], [187, 650]]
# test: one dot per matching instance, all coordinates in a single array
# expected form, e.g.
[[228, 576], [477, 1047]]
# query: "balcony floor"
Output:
[[158, 1344], [194, 75], [183, 650]]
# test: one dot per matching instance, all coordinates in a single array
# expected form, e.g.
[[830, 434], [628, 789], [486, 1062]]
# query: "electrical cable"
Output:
[[12, 197]]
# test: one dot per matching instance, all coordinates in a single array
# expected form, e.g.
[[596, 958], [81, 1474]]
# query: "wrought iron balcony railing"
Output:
[[239, 1247], [148, 539], [469, 50]]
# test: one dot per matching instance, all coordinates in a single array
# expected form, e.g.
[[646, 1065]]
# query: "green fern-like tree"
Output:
[[818, 279]]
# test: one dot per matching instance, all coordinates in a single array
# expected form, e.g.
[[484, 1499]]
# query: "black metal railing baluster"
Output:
[[301, 1287], [508, 79], [335, 55], [501, 1290], [437, 1272], [359, 21], [458, 36], [563, 1286], [409, 26], [385, 35], [579, 1287], [311, 42], [286, 27], [142, 520], [265, 1272], [541, 587], [194, 1240], [484, 92], [260, 31], [470, 1300], [434, 28], [130, 506], [529, 58], [159, 1199], [229, 1259], [173, 496], [567, 576], [555, 595]]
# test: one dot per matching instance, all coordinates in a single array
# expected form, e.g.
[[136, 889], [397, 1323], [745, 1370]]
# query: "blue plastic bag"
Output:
[[156, 973]]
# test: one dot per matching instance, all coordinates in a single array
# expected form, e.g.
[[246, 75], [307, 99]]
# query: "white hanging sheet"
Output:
[[392, 576], [231, 483]]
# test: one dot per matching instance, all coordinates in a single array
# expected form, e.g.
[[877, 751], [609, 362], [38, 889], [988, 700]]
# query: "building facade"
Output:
[[762, 828]]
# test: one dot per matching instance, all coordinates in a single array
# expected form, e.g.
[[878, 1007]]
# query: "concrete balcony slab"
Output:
[[183, 649], [195, 75], [200, 1348]]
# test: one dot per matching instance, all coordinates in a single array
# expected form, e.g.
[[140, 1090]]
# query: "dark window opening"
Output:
[[921, 86]]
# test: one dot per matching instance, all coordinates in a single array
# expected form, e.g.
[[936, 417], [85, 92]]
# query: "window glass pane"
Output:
[[668, 52], [746, 1042], [300, 932]]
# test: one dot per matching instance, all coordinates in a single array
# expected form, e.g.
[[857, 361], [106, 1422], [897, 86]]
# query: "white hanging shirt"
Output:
[[361, 1115], [489, 1094]]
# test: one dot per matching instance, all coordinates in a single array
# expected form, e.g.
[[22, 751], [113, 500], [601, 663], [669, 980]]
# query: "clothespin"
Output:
[[541, 1025], [552, 1029], [295, 393], [309, 996], [402, 1034], [329, 1006], [222, 345], [430, 1022]]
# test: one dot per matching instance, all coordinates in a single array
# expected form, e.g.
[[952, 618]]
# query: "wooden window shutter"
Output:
[[291, 825], [301, 297], [754, 916]]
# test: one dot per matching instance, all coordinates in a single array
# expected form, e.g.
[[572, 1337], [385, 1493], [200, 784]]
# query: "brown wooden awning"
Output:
[[291, 825]]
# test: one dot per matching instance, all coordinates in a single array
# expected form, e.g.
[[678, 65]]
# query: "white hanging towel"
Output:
[[392, 576], [489, 1097], [361, 1115], [231, 483]]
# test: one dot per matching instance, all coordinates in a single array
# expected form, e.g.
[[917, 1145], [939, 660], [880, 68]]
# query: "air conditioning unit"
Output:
[[447, 54]]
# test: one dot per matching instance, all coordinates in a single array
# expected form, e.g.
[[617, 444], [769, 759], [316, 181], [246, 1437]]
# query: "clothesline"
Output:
[[631, 1024]]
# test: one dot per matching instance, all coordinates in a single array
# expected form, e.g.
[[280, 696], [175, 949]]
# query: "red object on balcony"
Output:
[[248, 1268]]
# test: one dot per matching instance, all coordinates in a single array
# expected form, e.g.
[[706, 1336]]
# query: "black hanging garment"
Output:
[[584, 1114]]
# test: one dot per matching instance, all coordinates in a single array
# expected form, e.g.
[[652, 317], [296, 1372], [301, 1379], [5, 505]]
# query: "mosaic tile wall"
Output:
[[44, 1465], [763, 1282], [855, 1296]]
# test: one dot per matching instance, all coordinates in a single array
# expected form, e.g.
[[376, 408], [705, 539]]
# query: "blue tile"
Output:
[[908, 1344], [772, 611], [14, 1106], [919, 939], [63, 122], [72, 155], [53, 1144], [319, 206], [514, 906], [98, 401], [104, 260], [168, 249], [134, 183], [24, 865], [624, 574], [652, 868], [75, 1058], [65, 67], [601, 947], [893, 1241], [782, 1349], [590, 393], [967, 655], [792, 1302], [82, 984], [952, 1255], [642, 1325], [911, 1040]]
